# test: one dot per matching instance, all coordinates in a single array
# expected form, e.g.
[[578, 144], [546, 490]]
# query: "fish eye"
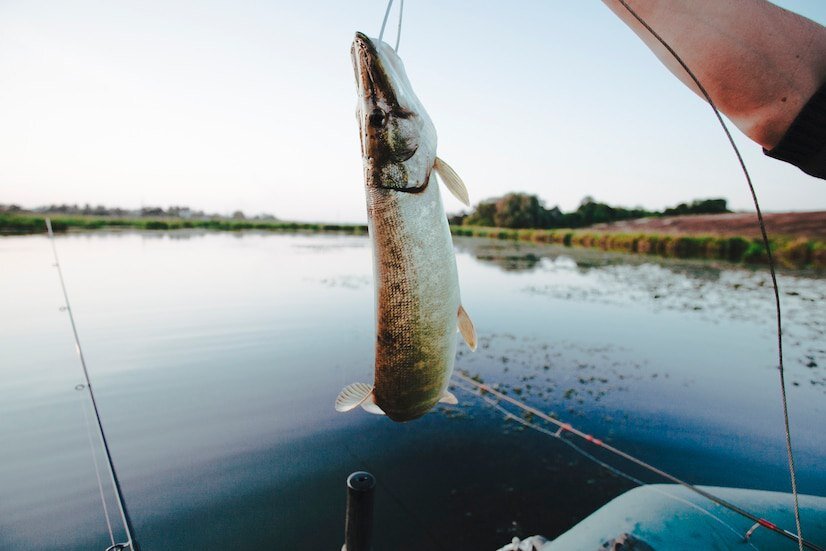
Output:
[[376, 118]]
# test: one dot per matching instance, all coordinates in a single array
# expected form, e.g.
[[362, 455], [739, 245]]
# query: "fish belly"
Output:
[[417, 299]]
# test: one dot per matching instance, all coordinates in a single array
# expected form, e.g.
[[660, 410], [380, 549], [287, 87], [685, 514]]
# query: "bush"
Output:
[[755, 253], [818, 255], [735, 248], [796, 253]]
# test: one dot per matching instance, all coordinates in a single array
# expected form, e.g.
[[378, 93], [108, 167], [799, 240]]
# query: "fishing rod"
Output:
[[131, 542], [567, 427], [81, 388], [766, 244]]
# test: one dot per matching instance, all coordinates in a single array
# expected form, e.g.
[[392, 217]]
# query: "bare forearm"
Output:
[[759, 63]]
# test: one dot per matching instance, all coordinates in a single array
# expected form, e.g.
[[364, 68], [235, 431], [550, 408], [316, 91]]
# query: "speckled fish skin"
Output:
[[417, 287]]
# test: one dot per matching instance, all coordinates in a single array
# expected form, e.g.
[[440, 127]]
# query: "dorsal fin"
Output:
[[451, 181]]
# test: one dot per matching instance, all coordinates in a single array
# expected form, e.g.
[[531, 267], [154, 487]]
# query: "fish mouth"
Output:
[[392, 122], [374, 82]]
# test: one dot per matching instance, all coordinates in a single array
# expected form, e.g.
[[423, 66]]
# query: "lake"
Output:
[[216, 358]]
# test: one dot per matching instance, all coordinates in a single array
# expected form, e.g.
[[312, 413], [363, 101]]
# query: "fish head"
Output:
[[398, 139]]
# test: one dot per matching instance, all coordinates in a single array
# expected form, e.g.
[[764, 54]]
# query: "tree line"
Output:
[[173, 211], [526, 211]]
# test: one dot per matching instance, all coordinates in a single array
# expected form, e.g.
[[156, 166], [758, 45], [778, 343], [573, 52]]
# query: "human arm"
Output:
[[760, 63]]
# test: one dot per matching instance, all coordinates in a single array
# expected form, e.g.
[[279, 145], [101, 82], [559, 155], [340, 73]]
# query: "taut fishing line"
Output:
[[567, 427], [558, 434], [765, 236], [384, 23], [131, 543], [81, 388]]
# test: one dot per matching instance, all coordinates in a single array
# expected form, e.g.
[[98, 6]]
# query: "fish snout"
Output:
[[364, 56]]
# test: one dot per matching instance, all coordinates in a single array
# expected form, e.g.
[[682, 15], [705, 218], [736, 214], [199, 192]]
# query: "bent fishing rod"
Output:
[[131, 543]]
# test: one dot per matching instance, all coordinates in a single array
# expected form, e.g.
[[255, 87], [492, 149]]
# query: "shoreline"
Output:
[[26, 223], [789, 251]]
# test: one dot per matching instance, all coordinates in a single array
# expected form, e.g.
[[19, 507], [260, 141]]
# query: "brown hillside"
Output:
[[793, 224]]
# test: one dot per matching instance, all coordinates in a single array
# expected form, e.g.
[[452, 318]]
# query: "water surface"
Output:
[[216, 358]]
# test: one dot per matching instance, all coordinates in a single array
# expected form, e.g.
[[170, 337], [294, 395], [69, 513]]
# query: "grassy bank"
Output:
[[789, 252], [24, 223]]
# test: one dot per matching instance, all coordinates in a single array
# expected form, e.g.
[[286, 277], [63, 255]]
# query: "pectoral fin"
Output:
[[466, 328], [448, 398], [357, 394], [451, 181], [353, 395]]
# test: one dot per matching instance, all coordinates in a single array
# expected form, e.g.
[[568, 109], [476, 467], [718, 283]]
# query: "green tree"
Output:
[[483, 215], [699, 206], [519, 210]]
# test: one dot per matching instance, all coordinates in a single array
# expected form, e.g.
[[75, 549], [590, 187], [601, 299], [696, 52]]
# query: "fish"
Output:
[[418, 306]]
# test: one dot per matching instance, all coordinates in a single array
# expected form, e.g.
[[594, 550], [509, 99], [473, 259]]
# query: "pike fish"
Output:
[[418, 309]]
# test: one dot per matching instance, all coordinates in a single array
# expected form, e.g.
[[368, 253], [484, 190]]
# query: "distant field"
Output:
[[809, 225]]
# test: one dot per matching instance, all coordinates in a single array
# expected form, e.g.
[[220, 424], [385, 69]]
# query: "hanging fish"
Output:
[[418, 309]]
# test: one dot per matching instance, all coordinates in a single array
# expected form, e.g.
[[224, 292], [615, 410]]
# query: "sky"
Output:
[[222, 105]]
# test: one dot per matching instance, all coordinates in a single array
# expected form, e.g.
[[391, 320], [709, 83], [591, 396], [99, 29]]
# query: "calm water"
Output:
[[216, 358]]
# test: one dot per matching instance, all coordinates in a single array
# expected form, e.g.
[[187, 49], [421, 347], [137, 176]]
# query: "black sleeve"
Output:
[[804, 144]]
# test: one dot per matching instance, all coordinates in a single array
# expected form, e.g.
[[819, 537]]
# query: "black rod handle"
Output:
[[358, 522]]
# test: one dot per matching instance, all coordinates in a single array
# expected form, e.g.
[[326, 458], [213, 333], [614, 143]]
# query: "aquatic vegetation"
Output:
[[799, 252], [818, 255], [795, 253]]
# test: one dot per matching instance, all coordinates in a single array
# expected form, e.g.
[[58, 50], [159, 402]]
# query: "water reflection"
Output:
[[511, 257], [217, 357], [517, 256]]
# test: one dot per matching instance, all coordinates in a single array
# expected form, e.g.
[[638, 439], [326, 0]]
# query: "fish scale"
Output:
[[418, 300]]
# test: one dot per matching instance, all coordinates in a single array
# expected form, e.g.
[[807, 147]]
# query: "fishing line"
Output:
[[80, 388], [769, 255], [558, 435], [399, 30], [567, 427], [384, 23], [124, 514]]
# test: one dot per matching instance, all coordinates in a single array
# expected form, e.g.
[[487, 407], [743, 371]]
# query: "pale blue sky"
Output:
[[225, 105]]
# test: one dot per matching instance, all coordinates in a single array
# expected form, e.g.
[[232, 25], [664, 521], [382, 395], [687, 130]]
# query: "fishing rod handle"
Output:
[[358, 522]]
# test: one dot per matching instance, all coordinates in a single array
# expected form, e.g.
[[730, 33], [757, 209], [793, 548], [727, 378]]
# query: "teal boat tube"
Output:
[[669, 517]]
